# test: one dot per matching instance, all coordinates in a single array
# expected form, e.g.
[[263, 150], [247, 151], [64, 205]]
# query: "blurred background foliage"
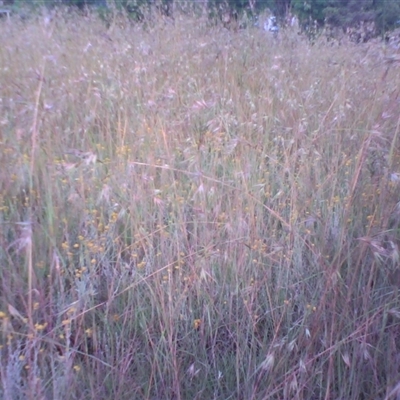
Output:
[[384, 15]]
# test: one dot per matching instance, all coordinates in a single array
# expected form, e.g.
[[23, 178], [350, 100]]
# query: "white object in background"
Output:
[[271, 25]]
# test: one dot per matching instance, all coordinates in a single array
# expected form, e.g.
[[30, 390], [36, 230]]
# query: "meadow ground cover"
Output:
[[189, 212]]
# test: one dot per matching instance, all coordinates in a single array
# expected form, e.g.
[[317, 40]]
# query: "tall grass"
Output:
[[189, 212]]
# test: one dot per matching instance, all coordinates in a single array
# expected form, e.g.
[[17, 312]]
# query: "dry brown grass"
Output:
[[189, 212]]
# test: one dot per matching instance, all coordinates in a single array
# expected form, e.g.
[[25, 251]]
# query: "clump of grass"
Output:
[[193, 212]]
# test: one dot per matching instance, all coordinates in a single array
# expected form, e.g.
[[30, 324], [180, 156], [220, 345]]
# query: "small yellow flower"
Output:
[[197, 323], [89, 332], [71, 310], [40, 327]]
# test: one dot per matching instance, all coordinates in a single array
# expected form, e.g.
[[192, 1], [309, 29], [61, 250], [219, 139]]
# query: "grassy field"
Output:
[[189, 212]]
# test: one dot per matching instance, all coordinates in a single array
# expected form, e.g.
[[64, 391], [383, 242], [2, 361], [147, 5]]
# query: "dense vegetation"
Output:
[[384, 15], [192, 212]]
